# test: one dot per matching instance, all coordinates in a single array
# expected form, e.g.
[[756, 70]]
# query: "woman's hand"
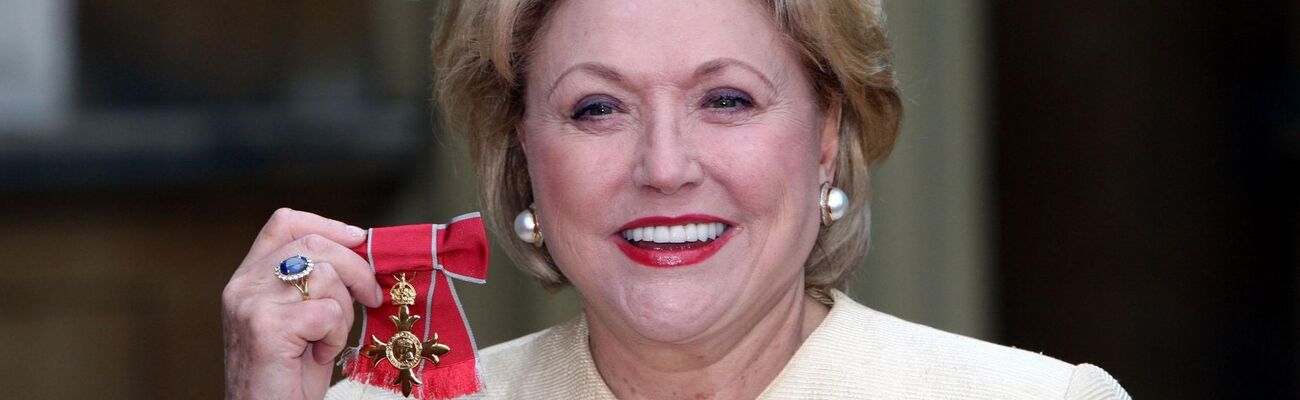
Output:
[[278, 345]]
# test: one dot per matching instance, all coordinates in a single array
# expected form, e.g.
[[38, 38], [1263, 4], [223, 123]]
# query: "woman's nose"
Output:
[[668, 163]]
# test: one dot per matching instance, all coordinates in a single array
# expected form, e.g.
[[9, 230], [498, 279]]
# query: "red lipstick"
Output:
[[672, 255]]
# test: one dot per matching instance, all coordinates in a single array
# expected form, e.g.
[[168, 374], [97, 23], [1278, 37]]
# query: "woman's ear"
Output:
[[830, 138]]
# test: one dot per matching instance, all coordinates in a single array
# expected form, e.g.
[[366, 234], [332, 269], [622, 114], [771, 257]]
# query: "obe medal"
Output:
[[404, 351], [412, 354]]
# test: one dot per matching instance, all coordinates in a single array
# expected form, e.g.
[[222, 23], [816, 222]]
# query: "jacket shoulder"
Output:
[[1093, 383], [858, 351], [551, 364], [504, 363]]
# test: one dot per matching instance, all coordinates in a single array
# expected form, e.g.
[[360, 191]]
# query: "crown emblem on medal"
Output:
[[403, 293]]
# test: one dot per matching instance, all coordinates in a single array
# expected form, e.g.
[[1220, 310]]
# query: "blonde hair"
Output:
[[482, 47]]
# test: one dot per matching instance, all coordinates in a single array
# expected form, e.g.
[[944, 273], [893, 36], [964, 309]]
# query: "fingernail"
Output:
[[355, 231], [379, 297]]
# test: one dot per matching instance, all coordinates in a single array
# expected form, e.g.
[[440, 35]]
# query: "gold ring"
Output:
[[301, 284], [295, 270]]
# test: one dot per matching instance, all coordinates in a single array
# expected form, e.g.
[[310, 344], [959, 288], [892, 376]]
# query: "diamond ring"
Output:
[[295, 270]]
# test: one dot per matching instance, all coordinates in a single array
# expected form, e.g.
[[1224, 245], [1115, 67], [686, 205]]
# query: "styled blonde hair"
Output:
[[482, 47]]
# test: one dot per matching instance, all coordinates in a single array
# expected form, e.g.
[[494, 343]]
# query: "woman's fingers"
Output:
[[286, 225], [325, 332], [278, 344], [338, 272], [321, 324]]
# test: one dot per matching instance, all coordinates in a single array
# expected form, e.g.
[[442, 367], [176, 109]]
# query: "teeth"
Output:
[[677, 234], [685, 233]]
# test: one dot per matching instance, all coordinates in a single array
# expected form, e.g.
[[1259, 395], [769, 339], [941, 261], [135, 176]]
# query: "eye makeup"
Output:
[[595, 107], [726, 99]]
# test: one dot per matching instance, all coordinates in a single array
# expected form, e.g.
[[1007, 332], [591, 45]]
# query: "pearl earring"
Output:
[[833, 203], [527, 228]]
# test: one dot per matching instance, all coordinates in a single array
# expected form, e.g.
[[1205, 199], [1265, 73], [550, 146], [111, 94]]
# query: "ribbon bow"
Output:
[[424, 256]]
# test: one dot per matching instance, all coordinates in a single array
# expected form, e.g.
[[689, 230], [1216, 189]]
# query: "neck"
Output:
[[738, 362]]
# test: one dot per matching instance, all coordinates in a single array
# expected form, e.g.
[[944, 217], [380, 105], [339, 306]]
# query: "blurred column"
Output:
[[930, 257], [35, 65]]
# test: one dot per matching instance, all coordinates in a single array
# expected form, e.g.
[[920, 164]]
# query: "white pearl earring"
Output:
[[833, 203], [526, 227]]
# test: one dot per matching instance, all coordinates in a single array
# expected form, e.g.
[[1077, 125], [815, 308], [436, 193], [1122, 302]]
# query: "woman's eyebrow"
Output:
[[600, 70], [716, 66], [705, 70]]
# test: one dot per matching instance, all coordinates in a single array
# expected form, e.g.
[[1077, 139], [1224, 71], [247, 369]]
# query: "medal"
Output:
[[404, 351], [419, 343]]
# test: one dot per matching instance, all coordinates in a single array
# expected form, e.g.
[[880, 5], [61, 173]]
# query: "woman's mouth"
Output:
[[673, 241]]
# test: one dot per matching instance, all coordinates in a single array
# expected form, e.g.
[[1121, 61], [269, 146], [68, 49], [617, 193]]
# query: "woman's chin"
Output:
[[674, 313]]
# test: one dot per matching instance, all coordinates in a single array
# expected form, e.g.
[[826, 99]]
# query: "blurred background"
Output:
[[1111, 182]]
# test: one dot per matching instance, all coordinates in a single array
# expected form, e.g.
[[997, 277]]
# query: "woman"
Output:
[[698, 172]]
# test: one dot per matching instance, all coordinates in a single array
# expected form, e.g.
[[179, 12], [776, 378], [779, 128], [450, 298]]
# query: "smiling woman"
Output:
[[836, 52], [697, 134], [698, 172]]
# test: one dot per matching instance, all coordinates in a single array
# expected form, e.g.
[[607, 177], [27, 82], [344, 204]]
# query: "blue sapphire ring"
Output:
[[295, 270]]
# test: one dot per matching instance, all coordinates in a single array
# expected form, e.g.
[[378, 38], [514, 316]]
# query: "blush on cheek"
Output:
[[761, 166], [575, 176]]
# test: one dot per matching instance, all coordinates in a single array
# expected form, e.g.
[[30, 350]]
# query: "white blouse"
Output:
[[856, 353]]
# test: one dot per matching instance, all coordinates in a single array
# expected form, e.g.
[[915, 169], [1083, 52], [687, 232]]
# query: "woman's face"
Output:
[[666, 122]]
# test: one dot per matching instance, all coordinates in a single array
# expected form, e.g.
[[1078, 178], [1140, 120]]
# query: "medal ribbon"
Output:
[[429, 254]]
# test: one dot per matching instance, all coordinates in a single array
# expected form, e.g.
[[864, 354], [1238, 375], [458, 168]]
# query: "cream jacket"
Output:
[[856, 353]]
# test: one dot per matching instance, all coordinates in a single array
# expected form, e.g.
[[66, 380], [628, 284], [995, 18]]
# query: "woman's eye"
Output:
[[595, 109], [728, 100]]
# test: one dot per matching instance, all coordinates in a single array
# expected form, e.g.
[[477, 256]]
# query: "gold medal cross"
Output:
[[404, 350]]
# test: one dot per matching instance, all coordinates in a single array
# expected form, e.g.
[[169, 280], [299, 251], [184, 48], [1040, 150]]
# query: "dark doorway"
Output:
[[1147, 173]]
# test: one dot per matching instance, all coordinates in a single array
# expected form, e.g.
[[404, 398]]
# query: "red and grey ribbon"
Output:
[[431, 253]]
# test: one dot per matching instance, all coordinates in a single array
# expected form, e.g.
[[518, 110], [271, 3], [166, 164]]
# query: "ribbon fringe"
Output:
[[445, 381], [457, 380]]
